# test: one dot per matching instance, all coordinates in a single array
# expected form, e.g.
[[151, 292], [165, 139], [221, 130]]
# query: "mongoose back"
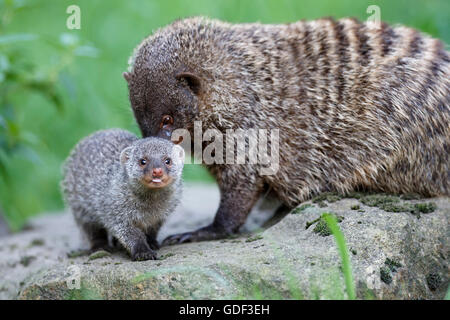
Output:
[[125, 187], [357, 105]]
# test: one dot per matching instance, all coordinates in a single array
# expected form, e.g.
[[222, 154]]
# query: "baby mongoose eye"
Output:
[[168, 161], [143, 162], [166, 120]]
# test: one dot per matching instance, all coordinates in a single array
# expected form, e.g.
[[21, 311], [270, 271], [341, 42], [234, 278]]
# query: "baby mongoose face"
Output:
[[153, 162]]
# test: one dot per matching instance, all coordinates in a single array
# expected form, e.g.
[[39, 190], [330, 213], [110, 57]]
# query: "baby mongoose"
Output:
[[358, 106], [125, 187]]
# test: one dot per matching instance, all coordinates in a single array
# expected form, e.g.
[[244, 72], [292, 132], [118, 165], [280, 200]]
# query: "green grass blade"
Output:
[[343, 251]]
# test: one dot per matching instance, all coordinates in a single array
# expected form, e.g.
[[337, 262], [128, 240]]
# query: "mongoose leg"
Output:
[[151, 236], [135, 241], [235, 205], [140, 251], [154, 245], [97, 236], [279, 214]]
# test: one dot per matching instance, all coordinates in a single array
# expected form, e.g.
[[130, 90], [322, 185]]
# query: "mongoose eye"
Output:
[[143, 162], [166, 120], [168, 161]]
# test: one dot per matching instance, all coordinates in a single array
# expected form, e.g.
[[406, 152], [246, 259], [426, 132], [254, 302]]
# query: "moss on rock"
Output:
[[378, 200], [385, 275], [302, 208], [322, 228], [99, 254], [327, 196], [389, 268], [425, 207], [434, 281], [392, 264], [254, 238], [37, 242], [26, 260], [410, 196]]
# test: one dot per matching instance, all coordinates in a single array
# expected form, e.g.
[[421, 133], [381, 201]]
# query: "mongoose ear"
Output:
[[125, 155], [192, 80], [179, 152], [127, 76]]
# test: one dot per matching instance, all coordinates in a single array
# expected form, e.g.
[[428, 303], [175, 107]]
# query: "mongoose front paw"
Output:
[[142, 252], [144, 255]]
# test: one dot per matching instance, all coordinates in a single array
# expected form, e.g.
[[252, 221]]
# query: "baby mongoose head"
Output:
[[152, 163]]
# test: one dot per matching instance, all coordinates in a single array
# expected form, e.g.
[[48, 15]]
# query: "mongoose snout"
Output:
[[156, 171], [157, 178]]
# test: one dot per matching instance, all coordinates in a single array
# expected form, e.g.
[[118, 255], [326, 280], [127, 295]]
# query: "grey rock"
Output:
[[285, 261]]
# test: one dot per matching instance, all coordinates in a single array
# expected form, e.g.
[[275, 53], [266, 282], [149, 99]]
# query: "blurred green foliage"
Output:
[[58, 85]]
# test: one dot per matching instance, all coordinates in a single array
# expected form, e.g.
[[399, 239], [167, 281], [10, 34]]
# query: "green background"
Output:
[[94, 94]]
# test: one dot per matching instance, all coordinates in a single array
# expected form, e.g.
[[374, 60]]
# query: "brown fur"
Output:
[[358, 105]]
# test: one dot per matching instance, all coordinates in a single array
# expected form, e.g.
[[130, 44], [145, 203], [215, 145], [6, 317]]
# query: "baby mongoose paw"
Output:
[[144, 255], [142, 252]]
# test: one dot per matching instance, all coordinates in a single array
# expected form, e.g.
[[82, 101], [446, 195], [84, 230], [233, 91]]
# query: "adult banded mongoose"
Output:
[[358, 105], [118, 185]]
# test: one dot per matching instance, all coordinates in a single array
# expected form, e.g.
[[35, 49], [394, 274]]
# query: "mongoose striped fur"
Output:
[[120, 186], [358, 105]]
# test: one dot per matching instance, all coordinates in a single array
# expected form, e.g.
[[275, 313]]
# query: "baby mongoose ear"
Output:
[[178, 152], [125, 155], [192, 80], [127, 76]]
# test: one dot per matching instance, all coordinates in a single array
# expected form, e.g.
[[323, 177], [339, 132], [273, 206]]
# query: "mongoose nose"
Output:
[[157, 172]]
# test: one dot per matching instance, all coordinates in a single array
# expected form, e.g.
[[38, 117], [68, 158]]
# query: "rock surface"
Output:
[[394, 255]]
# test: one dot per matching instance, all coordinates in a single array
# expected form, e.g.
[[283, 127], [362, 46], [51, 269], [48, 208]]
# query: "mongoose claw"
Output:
[[144, 255], [203, 234], [141, 252], [177, 238], [186, 237]]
